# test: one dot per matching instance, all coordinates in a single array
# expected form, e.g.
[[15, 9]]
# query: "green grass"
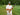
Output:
[[15, 11]]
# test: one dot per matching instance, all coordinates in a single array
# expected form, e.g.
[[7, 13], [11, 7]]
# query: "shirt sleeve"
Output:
[[12, 6]]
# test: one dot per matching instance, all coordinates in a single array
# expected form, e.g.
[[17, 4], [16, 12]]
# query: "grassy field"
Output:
[[15, 11]]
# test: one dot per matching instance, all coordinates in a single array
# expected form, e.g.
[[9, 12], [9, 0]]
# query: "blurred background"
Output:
[[14, 3]]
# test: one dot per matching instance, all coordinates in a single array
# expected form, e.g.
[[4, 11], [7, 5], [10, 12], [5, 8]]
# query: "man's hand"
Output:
[[12, 7]]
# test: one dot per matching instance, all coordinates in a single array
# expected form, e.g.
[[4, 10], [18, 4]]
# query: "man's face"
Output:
[[9, 4]]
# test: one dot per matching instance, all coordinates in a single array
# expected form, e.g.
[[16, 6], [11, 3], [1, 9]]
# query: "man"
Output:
[[9, 8]]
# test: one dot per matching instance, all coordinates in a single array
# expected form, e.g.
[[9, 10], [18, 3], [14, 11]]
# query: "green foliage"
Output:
[[5, 2]]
